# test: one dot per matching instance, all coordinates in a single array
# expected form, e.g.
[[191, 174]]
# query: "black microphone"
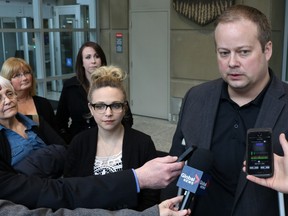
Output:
[[194, 180]]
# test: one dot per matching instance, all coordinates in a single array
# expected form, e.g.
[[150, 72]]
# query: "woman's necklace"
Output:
[[109, 152], [106, 150], [107, 144]]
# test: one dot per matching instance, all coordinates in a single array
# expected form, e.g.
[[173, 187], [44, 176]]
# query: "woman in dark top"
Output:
[[72, 112], [19, 72], [110, 147]]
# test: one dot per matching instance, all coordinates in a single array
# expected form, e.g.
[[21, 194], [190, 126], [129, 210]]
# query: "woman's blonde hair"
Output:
[[107, 76], [12, 66]]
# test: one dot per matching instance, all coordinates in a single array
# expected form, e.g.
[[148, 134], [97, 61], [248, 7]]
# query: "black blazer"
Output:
[[112, 191], [196, 122]]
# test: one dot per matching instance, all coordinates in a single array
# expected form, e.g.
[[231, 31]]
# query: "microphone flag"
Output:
[[193, 180]]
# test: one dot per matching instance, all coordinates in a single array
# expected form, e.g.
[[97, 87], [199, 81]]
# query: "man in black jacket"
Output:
[[87, 192]]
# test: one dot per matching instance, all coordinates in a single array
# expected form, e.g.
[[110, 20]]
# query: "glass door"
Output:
[[17, 44], [48, 41], [68, 18]]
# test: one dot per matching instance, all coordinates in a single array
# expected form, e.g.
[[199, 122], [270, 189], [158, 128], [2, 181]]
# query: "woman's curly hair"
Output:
[[107, 76]]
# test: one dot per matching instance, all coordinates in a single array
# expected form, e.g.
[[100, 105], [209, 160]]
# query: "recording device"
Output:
[[259, 152], [187, 154], [194, 180]]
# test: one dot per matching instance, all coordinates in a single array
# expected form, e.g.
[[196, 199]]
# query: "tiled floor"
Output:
[[160, 130]]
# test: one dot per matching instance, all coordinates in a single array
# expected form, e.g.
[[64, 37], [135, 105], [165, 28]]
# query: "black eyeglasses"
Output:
[[102, 107]]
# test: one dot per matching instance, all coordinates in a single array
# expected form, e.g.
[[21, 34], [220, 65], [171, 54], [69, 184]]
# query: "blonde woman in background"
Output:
[[20, 73]]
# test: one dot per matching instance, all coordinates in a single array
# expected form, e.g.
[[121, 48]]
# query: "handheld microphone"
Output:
[[193, 179]]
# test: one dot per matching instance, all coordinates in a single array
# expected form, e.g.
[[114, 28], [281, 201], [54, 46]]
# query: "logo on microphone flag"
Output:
[[193, 180]]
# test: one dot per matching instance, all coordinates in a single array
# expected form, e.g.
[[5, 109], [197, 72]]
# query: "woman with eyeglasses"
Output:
[[30, 148], [72, 111], [110, 147], [19, 72]]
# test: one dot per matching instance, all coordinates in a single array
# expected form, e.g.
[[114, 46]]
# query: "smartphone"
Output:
[[186, 154], [259, 152]]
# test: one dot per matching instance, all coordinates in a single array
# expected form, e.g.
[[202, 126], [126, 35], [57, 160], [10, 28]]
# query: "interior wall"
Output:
[[192, 54], [114, 19], [193, 58]]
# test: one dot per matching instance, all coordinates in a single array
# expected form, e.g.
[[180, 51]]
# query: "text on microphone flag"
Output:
[[193, 180]]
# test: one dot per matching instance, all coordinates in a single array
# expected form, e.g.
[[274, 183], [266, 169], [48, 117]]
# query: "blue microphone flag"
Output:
[[193, 180]]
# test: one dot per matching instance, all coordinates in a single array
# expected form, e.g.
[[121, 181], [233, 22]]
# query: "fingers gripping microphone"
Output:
[[193, 179]]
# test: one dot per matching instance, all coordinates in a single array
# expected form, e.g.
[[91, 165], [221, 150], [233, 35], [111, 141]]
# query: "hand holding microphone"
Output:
[[194, 180]]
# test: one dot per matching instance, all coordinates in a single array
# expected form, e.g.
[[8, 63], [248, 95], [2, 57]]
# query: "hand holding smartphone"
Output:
[[259, 152], [186, 154]]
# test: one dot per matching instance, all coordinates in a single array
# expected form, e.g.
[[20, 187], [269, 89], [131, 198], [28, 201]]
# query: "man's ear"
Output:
[[268, 50]]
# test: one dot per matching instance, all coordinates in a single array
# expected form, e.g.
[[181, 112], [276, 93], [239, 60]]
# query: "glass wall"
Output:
[[48, 37]]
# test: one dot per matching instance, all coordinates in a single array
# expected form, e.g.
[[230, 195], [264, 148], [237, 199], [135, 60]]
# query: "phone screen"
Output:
[[259, 152]]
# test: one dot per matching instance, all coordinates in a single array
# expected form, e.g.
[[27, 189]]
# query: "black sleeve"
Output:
[[112, 191], [48, 134], [149, 197], [45, 162], [81, 153], [45, 109]]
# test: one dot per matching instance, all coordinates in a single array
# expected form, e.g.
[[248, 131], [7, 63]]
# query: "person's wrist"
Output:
[[139, 178], [136, 181]]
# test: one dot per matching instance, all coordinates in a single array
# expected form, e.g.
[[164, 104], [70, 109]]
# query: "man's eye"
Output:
[[244, 52], [223, 54]]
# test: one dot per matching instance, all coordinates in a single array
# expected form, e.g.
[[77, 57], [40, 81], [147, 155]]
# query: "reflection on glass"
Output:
[[51, 92], [66, 40], [8, 46], [60, 47]]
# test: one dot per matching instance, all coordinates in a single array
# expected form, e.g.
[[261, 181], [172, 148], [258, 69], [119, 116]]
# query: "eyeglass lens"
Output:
[[101, 108], [19, 75]]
